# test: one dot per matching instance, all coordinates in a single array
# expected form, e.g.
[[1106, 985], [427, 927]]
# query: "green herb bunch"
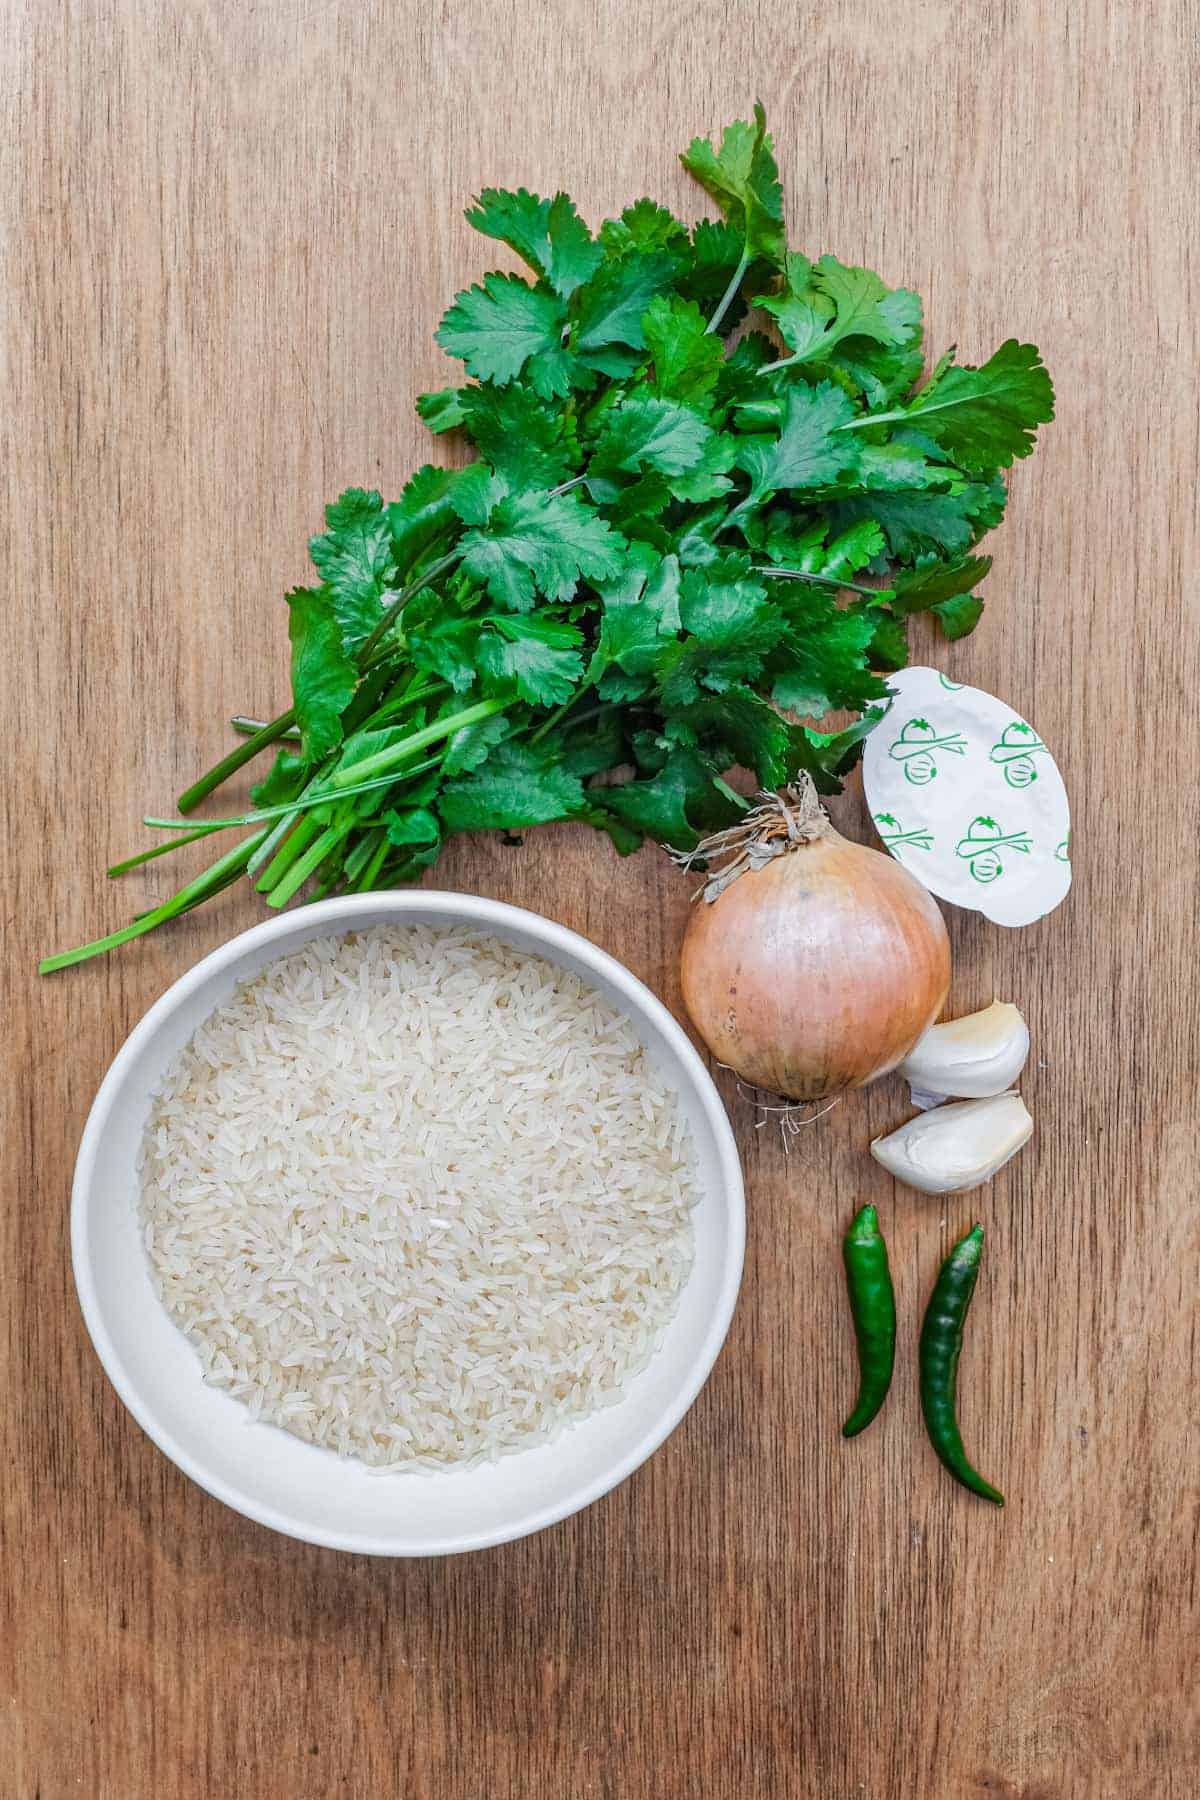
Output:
[[673, 544]]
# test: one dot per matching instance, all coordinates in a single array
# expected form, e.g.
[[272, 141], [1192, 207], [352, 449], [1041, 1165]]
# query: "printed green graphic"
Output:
[[1018, 746], [982, 846], [893, 833], [918, 748], [951, 687], [1063, 853]]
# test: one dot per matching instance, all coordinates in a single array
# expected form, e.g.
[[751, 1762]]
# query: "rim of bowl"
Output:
[[635, 995]]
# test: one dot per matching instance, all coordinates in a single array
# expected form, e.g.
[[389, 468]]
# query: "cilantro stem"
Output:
[[419, 689], [883, 418], [248, 727], [370, 874], [288, 809], [784, 362], [566, 486], [553, 719], [145, 856], [327, 886], [285, 725], [730, 295], [306, 829], [745, 505], [229, 765], [829, 581], [391, 613], [210, 882], [308, 864], [416, 740], [560, 712], [361, 854], [269, 845]]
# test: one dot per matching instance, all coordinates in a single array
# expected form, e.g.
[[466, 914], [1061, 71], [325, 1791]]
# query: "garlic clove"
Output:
[[956, 1146], [971, 1059]]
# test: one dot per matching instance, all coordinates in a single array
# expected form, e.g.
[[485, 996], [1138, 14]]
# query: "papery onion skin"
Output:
[[818, 971]]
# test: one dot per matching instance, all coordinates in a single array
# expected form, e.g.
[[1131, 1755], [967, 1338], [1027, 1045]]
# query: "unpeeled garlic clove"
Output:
[[956, 1146], [970, 1059]]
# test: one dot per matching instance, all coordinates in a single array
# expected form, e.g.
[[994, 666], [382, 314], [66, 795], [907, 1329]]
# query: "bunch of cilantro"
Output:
[[675, 542]]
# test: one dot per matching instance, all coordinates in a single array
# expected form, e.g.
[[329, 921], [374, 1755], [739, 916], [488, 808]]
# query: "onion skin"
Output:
[[818, 971]]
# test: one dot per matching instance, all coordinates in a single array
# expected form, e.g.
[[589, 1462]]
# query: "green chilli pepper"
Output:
[[873, 1309], [941, 1342]]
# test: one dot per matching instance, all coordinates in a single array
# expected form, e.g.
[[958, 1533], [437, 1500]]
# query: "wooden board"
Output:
[[229, 231]]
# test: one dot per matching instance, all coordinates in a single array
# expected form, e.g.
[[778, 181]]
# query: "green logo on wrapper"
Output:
[[982, 846], [918, 747], [1018, 746], [893, 833], [951, 687], [1063, 852]]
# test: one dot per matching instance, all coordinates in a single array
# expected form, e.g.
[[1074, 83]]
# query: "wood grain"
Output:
[[229, 229]]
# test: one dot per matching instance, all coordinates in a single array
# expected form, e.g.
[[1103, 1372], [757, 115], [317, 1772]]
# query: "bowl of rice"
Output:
[[408, 1223]]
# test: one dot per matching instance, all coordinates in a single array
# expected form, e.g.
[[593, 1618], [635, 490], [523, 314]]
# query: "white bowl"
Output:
[[296, 1487]]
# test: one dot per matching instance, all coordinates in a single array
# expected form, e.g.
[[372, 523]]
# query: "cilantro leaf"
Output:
[[803, 314], [853, 549], [898, 465], [540, 655], [674, 805], [740, 374], [864, 306], [417, 826], [519, 785], [497, 328], [423, 514], [476, 493], [447, 647], [443, 409], [921, 521], [611, 307], [354, 557], [634, 505], [643, 226], [739, 726], [987, 416], [808, 551], [823, 305], [803, 325], [540, 543], [881, 376], [595, 746], [687, 356], [823, 661], [742, 178], [548, 234], [554, 373], [473, 744], [716, 263], [827, 755], [810, 450], [708, 479], [959, 616], [889, 641], [730, 627], [323, 676], [641, 612], [644, 432], [283, 783], [518, 434], [933, 581]]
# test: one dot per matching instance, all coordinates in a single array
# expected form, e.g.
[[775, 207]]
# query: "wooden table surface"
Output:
[[229, 230]]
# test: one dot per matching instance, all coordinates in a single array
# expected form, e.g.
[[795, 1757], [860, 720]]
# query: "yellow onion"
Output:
[[811, 964]]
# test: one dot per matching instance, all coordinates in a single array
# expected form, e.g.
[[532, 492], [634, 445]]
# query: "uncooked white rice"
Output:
[[418, 1196]]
